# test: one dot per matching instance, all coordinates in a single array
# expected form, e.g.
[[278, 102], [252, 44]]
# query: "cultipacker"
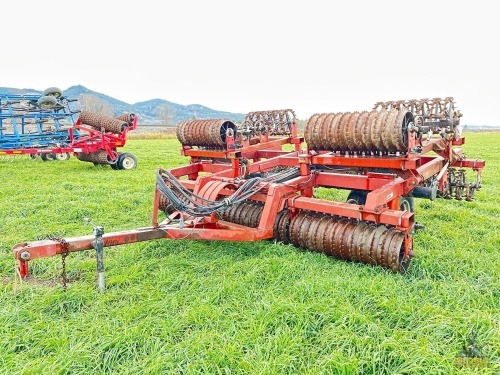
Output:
[[256, 180]]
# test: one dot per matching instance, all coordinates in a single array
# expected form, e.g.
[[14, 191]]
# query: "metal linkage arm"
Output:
[[27, 251]]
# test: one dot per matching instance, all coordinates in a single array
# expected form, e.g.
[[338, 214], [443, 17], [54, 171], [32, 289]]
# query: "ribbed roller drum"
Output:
[[97, 157], [324, 137], [387, 127], [385, 131], [350, 131], [376, 131], [366, 139], [244, 213], [399, 139], [98, 121], [127, 117], [358, 130], [205, 133], [166, 206], [349, 240], [339, 139], [308, 133], [282, 227]]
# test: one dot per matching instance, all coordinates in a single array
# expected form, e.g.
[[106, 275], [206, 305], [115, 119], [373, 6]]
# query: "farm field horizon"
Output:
[[189, 307]]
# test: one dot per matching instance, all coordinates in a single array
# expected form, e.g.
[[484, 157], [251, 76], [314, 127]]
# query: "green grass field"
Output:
[[186, 307]]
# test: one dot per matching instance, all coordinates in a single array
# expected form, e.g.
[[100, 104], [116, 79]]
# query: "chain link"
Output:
[[64, 254]]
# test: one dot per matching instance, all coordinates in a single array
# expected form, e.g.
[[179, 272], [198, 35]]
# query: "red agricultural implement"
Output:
[[51, 126], [104, 135], [254, 181]]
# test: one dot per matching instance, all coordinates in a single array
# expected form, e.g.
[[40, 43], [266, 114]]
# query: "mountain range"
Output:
[[149, 111], [152, 112]]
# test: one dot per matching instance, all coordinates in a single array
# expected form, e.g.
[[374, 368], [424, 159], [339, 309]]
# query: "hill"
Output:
[[149, 111]]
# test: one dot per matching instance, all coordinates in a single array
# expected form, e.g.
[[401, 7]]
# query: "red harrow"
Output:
[[242, 185], [104, 135]]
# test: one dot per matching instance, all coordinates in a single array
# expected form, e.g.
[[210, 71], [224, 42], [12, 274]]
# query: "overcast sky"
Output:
[[311, 56]]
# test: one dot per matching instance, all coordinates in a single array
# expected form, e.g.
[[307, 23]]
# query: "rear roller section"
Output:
[[338, 237], [109, 124], [97, 157], [384, 131], [205, 133], [342, 238], [346, 239]]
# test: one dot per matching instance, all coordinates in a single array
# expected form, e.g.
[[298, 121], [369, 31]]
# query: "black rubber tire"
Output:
[[47, 157], [357, 197], [56, 92], [407, 204], [62, 156], [113, 163], [115, 166], [127, 161], [46, 102]]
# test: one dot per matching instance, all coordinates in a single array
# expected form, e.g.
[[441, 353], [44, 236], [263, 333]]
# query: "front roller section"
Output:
[[350, 240]]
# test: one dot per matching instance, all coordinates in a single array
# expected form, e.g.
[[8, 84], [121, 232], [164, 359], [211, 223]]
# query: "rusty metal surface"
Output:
[[109, 124], [435, 108], [348, 239], [127, 117], [457, 186], [282, 227], [245, 213], [329, 118], [358, 130], [376, 131], [440, 114], [350, 133], [204, 133], [272, 122], [97, 157], [388, 127], [381, 132], [166, 206]]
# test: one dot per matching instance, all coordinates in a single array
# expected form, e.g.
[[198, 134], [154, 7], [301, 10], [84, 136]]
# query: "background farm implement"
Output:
[[255, 181], [53, 127]]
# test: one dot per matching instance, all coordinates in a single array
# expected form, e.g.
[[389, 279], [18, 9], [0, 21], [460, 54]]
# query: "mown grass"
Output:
[[186, 307]]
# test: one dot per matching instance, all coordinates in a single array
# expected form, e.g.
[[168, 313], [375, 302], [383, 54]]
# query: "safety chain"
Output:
[[64, 254]]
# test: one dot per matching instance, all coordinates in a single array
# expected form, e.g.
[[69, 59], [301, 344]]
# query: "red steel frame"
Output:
[[211, 179]]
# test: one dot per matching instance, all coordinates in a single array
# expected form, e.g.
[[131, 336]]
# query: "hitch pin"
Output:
[[98, 245]]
